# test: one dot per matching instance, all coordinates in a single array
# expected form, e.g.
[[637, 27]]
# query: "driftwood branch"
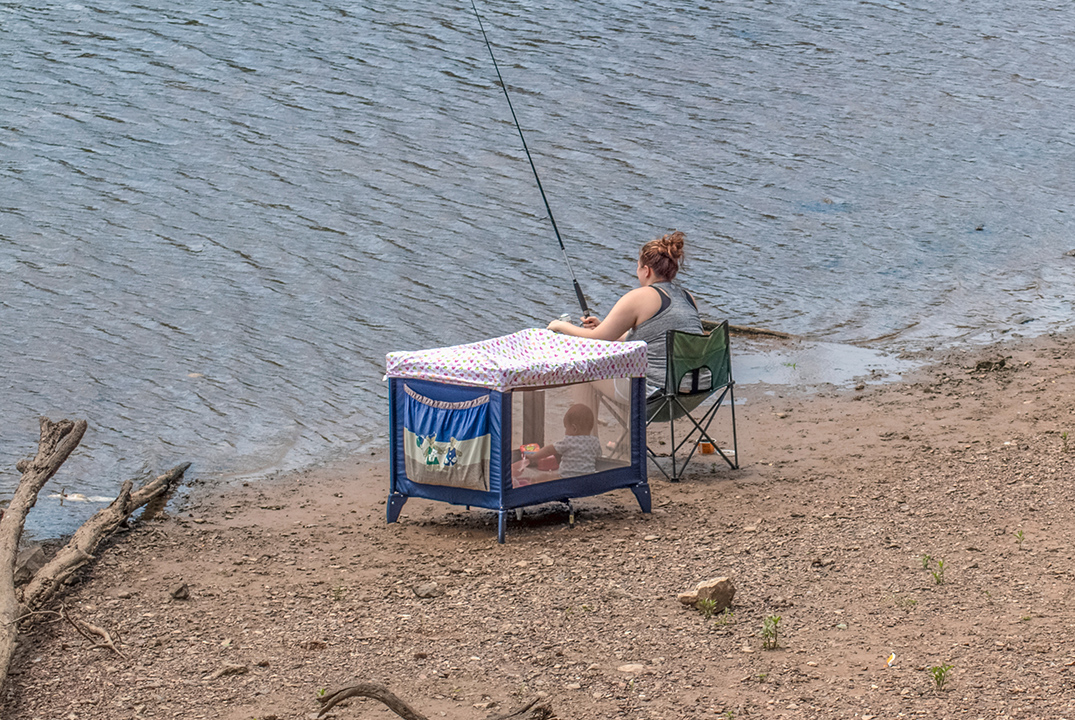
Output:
[[758, 332], [375, 691], [88, 630], [709, 326], [58, 440], [536, 709], [79, 550]]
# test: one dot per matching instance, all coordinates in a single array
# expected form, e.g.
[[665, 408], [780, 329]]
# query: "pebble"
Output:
[[427, 590], [631, 668]]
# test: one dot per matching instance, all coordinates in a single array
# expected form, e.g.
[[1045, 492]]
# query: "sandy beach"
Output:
[[913, 538]]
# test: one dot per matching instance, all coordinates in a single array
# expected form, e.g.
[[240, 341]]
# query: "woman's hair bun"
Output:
[[664, 254], [672, 244]]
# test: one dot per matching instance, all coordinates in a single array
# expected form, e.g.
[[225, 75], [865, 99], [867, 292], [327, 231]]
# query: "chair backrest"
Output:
[[704, 359]]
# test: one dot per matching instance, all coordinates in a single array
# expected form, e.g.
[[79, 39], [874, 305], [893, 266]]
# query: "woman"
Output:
[[649, 311]]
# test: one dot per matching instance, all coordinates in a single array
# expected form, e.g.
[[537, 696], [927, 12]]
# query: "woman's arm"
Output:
[[633, 308]]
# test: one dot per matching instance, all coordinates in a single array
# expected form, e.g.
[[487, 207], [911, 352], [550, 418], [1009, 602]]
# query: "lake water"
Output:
[[217, 218]]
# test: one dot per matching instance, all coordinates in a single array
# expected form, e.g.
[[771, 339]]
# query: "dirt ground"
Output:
[[931, 519]]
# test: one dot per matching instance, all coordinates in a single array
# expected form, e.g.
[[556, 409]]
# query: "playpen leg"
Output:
[[395, 504], [641, 492], [502, 525]]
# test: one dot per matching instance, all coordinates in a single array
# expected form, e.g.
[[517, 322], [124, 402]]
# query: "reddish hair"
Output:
[[664, 255]]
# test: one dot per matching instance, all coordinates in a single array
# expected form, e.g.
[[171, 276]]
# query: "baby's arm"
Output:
[[544, 452]]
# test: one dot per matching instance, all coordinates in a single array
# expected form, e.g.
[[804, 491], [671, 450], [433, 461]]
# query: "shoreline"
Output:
[[846, 502], [790, 365]]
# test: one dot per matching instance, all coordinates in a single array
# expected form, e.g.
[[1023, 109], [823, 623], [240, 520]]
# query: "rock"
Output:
[[427, 590], [227, 670], [181, 592], [27, 563], [631, 668], [720, 590]]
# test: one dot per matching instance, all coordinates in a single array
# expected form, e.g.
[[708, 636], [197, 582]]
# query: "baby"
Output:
[[578, 450]]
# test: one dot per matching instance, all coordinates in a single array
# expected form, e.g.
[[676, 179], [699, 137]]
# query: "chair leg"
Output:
[[735, 440], [672, 437], [701, 427]]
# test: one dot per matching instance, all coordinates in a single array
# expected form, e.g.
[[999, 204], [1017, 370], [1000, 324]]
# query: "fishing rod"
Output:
[[578, 290]]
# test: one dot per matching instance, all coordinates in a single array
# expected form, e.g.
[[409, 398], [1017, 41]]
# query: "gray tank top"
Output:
[[677, 312]]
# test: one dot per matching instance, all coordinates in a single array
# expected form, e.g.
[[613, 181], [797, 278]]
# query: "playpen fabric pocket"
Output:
[[447, 443]]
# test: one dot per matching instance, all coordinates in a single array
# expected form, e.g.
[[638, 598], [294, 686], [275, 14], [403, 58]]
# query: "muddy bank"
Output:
[[930, 519]]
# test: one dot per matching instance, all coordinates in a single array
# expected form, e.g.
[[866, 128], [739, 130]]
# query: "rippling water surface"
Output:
[[216, 219]]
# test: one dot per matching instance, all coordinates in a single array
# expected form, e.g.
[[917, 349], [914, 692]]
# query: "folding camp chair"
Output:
[[698, 366]]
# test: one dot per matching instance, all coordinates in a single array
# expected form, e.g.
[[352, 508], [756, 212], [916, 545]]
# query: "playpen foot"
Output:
[[501, 526], [518, 513], [395, 504], [641, 492]]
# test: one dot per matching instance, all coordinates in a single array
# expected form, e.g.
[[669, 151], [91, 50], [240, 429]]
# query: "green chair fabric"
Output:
[[698, 366]]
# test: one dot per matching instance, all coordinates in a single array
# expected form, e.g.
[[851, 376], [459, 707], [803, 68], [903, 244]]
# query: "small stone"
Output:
[[573, 686], [720, 590], [180, 592], [428, 590], [228, 670], [631, 668]]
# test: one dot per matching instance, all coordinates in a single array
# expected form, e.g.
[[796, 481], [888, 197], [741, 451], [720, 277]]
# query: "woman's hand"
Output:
[[590, 321], [559, 326]]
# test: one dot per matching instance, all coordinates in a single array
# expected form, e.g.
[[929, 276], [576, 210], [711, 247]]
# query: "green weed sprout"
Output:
[[725, 617], [1018, 537], [940, 674], [938, 574], [770, 633], [706, 606]]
